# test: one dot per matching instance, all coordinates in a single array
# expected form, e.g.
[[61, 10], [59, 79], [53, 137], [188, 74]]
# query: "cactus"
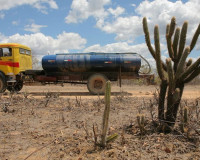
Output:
[[182, 39], [195, 38], [184, 119], [106, 114], [141, 123], [175, 42], [182, 62], [169, 33], [189, 62], [176, 71]]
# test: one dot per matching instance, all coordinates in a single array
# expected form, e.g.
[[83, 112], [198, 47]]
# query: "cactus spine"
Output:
[[106, 114], [175, 72]]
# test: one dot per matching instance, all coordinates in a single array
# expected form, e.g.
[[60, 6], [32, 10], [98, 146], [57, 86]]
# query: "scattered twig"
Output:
[[86, 129], [78, 101], [39, 149], [95, 131]]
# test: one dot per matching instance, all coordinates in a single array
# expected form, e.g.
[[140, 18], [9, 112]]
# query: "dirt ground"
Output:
[[132, 90], [56, 123]]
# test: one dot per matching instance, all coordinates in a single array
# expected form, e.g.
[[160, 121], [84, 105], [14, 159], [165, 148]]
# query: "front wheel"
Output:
[[2, 83], [96, 84], [16, 87]]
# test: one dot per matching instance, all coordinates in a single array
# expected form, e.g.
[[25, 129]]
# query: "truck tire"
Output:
[[16, 87], [2, 83], [96, 84]]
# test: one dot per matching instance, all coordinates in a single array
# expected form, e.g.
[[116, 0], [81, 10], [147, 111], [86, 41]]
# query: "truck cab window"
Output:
[[5, 52], [22, 51], [28, 52]]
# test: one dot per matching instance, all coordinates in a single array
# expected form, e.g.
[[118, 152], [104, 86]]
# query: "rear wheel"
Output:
[[2, 83], [96, 84], [16, 87]]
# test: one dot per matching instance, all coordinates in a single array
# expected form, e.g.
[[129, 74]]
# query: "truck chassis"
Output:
[[95, 80]]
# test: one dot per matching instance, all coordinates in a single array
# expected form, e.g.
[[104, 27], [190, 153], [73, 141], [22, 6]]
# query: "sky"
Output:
[[68, 26]]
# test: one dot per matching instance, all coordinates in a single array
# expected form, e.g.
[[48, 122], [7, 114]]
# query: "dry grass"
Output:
[[52, 127]]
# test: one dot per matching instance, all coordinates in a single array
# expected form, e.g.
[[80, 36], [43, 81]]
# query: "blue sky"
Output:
[[53, 26]]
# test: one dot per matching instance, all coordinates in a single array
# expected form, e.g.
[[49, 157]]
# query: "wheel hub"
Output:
[[98, 84]]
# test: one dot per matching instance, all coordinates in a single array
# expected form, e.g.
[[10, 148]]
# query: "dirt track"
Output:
[[191, 91]]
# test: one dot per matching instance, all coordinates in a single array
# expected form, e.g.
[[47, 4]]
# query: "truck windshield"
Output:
[[5, 52]]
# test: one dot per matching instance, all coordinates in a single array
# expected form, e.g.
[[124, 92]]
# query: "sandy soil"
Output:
[[191, 91], [54, 122]]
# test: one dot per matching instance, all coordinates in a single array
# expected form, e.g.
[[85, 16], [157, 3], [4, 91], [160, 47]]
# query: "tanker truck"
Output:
[[93, 69]]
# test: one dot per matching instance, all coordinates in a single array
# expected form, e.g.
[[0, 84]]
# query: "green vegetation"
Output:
[[176, 71]]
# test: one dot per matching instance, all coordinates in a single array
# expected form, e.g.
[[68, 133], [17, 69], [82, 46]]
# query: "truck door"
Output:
[[25, 59], [6, 61]]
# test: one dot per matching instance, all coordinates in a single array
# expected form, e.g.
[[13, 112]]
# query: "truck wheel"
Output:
[[16, 87], [96, 84], [2, 83]]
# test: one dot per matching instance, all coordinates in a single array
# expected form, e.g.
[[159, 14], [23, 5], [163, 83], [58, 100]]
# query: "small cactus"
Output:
[[106, 113], [184, 119], [141, 123]]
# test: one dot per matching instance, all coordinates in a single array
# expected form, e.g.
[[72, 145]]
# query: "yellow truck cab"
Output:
[[15, 59]]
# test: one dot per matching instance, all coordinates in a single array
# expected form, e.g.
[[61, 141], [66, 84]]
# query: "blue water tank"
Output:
[[92, 62]]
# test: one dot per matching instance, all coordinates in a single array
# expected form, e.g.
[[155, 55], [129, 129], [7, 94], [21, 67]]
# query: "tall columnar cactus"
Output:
[[106, 114], [176, 71]]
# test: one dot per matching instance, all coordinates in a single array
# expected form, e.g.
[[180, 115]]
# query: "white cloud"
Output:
[[116, 12], [2, 36], [15, 23], [35, 28], [39, 4], [2, 16], [164, 10], [133, 5], [127, 28], [41, 44], [120, 47], [83, 9]]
